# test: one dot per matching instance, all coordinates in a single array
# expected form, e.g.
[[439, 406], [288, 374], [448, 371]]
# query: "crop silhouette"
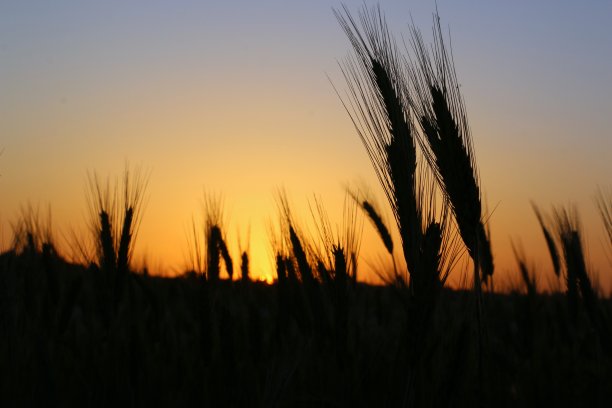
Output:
[[214, 240], [99, 330], [115, 217]]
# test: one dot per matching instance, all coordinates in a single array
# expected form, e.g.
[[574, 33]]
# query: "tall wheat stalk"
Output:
[[379, 104], [447, 141], [115, 216], [302, 294], [337, 263], [568, 237]]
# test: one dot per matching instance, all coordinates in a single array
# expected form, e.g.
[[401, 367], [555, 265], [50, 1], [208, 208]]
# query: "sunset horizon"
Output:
[[189, 109], [281, 204]]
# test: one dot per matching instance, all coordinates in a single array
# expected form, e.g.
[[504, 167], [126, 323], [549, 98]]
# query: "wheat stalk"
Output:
[[115, 218], [378, 107], [293, 239], [244, 257], [372, 212], [447, 143], [567, 229], [342, 247], [214, 241]]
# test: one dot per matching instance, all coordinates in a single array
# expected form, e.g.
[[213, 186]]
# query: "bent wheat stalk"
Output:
[[447, 141], [378, 103], [379, 109]]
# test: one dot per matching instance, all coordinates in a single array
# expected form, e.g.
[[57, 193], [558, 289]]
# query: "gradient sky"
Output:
[[234, 98]]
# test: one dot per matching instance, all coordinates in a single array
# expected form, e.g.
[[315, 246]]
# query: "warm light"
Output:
[[267, 279]]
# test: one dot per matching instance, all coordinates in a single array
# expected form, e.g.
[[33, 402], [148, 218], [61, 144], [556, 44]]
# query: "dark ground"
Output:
[[72, 336]]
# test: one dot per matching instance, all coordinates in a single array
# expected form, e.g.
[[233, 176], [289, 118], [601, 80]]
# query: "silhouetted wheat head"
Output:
[[32, 232], [33, 239], [380, 226], [338, 251], [566, 234], [447, 141], [297, 260], [299, 253], [379, 106], [244, 256], [116, 213], [373, 213], [569, 235], [215, 246]]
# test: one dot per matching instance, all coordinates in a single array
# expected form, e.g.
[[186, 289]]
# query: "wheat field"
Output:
[[84, 324]]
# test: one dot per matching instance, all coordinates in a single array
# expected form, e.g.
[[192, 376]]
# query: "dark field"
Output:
[[72, 336]]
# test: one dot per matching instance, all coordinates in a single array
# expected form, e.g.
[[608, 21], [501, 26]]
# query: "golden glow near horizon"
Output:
[[240, 104]]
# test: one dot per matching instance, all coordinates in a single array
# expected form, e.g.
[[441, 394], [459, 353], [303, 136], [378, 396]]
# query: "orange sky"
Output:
[[236, 100]]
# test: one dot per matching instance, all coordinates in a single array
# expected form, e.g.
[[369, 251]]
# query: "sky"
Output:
[[236, 99]]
